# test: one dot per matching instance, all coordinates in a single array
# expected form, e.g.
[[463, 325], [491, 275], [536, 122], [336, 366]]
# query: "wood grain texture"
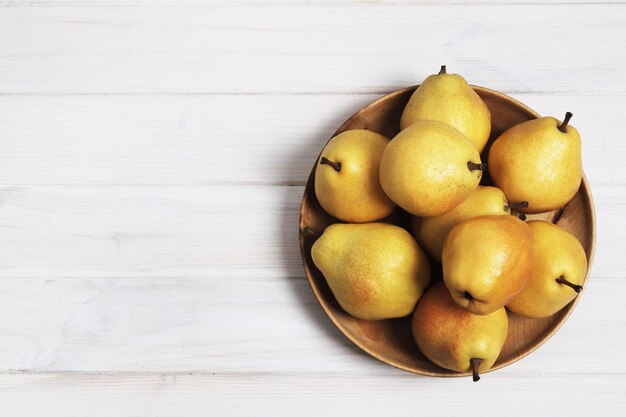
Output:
[[243, 325], [284, 395], [159, 231], [310, 48], [318, 394], [128, 248], [91, 140]]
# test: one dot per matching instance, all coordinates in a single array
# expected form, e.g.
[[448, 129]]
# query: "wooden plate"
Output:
[[391, 340]]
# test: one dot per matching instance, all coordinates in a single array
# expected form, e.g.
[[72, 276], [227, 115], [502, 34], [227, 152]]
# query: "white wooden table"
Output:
[[152, 159]]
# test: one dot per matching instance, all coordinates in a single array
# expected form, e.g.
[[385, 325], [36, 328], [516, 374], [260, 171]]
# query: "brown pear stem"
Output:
[[515, 206], [557, 215], [473, 166], [577, 288], [563, 125], [307, 231], [336, 165], [442, 70], [475, 362]]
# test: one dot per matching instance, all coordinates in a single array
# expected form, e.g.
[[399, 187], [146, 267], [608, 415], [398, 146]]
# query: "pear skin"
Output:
[[559, 269], [375, 270], [453, 338], [429, 168], [346, 177], [538, 161], [431, 232], [487, 261], [450, 99]]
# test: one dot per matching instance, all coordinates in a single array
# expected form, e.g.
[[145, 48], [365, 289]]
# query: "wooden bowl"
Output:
[[391, 340]]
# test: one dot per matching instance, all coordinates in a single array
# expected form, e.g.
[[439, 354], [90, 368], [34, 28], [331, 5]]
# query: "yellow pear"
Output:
[[431, 232], [450, 99], [538, 161], [487, 261], [429, 168], [454, 338], [375, 270], [346, 178], [559, 268]]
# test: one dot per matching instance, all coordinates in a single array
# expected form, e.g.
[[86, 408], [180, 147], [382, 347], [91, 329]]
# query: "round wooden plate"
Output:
[[391, 340]]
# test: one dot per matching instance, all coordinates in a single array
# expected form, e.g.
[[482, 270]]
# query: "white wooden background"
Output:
[[152, 158]]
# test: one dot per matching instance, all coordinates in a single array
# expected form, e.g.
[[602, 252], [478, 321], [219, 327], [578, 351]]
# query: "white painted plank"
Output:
[[165, 139], [227, 324], [211, 231], [571, 49], [308, 395], [189, 231], [267, 139]]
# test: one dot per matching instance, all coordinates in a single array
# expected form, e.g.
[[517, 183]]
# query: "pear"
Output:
[[346, 178], [538, 161], [375, 270], [454, 338], [450, 99], [431, 232], [429, 168], [487, 261], [559, 268]]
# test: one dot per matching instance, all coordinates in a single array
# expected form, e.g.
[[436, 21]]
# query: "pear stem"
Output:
[[563, 125], [475, 362], [336, 165], [442, 70], [557, 215], [307, 231], [577, 288], [514, 206], [473, 166]]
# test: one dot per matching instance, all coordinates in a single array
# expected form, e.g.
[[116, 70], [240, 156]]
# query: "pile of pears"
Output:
[[491, 258]]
